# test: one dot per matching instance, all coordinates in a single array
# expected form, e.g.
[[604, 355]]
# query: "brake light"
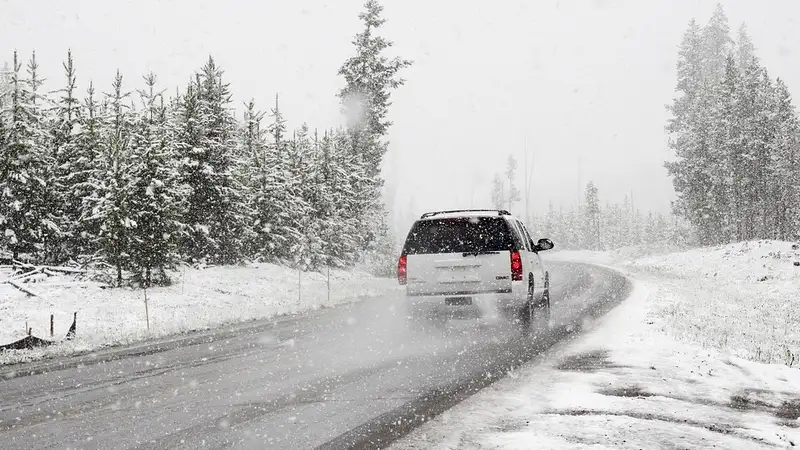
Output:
[[516, 266], [402, 270]]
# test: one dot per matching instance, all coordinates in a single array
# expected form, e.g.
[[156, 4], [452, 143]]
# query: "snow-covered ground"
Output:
[[698, 357], [199, 299]]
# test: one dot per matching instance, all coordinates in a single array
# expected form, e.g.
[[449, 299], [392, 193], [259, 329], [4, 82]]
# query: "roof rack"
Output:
[[500, 212]]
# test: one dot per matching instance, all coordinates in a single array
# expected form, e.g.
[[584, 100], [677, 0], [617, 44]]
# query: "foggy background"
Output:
[[584, 83]]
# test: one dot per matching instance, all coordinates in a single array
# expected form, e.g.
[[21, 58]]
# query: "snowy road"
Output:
[[350, 376]]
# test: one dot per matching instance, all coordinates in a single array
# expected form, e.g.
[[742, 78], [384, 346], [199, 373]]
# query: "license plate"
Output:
[[453, 279], [458, 301]]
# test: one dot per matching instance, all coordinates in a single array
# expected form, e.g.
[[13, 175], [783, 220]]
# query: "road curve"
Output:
[[354, 376]]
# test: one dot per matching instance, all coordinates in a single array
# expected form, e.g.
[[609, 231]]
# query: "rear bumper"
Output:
[[482, 304]]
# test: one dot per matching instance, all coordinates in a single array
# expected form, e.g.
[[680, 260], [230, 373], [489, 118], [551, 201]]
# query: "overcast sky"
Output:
[[584, 83]]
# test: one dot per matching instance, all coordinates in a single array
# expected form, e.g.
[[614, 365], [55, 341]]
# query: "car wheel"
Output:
[[527, 312], [545, 304], [535, 315]]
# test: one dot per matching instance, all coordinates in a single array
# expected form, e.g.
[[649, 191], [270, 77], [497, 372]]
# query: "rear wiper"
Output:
[[483, 252]]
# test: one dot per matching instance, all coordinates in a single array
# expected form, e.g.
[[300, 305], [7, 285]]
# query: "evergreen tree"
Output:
[[22, 168], [723, 131], [256, 172], [591, 212], [72, 165], [45, 193], [157, 199], [113, 181], [723, 164], [282, 197], [513, 191], [5, 85], [300, 165], [86, 166], [498, 192], [784, 165], [688, 133], [370, 77], [716, 46], [745, 50], [207, 132]]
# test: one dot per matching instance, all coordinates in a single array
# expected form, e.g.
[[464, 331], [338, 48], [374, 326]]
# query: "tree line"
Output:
[[592, 225], [142, 181], [609, 226], [734, 131]]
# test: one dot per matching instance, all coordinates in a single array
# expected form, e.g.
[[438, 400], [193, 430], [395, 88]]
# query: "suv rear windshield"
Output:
[[459, 235]]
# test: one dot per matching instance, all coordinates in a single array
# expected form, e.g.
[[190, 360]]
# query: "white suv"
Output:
[[475, 261]]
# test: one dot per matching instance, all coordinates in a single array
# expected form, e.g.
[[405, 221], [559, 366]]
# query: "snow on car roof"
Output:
[[456, 214]]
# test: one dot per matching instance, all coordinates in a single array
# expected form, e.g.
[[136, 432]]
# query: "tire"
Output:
[[545, 304], [534, 316]]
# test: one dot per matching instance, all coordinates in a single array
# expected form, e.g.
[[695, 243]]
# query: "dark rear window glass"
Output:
[[459, 235]]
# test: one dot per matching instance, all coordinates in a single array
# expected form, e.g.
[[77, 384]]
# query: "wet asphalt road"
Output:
[[352, 376]]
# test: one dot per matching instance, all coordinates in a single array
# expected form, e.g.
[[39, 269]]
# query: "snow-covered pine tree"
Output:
[[360, 188], [662, 234], [113, 181], [256, 174], [498, 193], [722, 164], [300, 165], [752, 147], [637, 226], [283, 198], [688, 133], [716, 46], [762, 140], [23, 169], [5, 84], [785, 165], [745, 50], [47, 195], [341, 242], [224, 200], [196, 244], [85, 167], [573, 229], [649, 236], [320, 200], [157, 200], [370, 76], [549, 223], [611, 229], [625, 221], [72, 165], [591, 220], [207, 142], [511, 175]]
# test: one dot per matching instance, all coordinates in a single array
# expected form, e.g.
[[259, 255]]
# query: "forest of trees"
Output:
[[142, 181], [735, 135], [593, 225], [608, 226]]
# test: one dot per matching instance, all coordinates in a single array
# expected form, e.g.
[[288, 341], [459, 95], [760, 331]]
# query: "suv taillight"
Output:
[[402, 270], [516, 266]]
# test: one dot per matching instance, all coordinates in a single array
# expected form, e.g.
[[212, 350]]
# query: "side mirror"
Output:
[[543, 244]]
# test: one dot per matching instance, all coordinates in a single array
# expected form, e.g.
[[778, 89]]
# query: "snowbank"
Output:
[[741, 298], [199, 299]]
